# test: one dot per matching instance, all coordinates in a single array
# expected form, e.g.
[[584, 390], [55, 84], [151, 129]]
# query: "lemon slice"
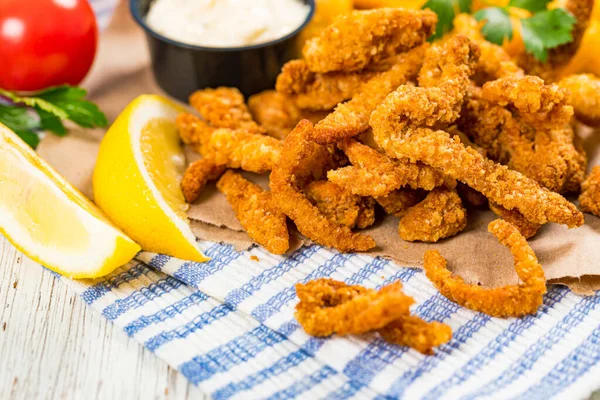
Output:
[[50, 221], [137, 178]]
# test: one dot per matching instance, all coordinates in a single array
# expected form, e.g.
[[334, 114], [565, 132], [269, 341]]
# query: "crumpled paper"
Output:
[[121, 73]]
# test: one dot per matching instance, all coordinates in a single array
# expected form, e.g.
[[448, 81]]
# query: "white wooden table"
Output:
[[53, 346]]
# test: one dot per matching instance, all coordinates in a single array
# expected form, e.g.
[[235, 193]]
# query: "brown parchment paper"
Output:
[[121, 73]]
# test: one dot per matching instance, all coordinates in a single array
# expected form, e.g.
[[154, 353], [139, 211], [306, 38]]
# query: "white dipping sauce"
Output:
[[226, 23]]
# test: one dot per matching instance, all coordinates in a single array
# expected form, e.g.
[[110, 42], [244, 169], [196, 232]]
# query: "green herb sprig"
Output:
[[446, 10], [46, 110], [543, 30]]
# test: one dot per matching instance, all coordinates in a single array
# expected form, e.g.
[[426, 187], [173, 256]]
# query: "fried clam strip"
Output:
[[394, 130], [327, 306], [256, 211], [507, 301], [278, 114], [275, 112], [494, 61], [439, 216], [589, 200], [197, 175], [375, 174], [315, 91], [509, 188], [584, 97], [192, 130], [352, 117], [525, 227], [398, 202], [539, 140], [560, 56], [357, 39], [340, 205], [411, 331], [242, 149], [524, 125], [297, 156], [224, 107]]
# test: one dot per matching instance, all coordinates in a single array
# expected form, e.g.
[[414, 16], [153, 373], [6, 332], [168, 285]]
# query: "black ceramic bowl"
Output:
[[181, 68]]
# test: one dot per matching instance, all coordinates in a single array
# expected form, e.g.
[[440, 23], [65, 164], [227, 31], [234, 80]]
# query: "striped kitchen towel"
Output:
[[228, 326]]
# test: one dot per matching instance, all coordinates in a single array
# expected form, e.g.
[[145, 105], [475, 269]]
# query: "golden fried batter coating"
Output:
[[507, 301], [297, 152], [375, 174], [224, 107], [413, 332], [538, 139], [589, 201], [355, 40], [315, 91], [540, 145], [439, 216], [398, 202], [511, 189], [494, 61], [352, 118], [395, 125], [529, 95], [256, 211], [525, 227], [585, 97], [275, 112], [366, 217], [340, 205], [192, 130], [464, 139], [278, 114], [327, 307], [242, 149], [196, 177]]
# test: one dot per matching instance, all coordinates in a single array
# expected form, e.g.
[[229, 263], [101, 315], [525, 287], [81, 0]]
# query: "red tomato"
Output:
[[45, 43]]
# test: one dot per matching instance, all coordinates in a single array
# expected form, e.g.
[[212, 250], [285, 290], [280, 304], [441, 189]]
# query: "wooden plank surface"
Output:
[[53, 346]]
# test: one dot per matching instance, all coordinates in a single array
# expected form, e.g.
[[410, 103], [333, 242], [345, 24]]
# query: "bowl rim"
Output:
[[140, 20]]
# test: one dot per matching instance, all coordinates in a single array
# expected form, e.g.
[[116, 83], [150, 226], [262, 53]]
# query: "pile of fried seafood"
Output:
[[373, 120]]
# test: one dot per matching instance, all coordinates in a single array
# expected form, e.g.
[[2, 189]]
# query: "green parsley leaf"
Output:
[[446, 10], [36, 103], [497, 24], [31, 138], [21, 121], [530, 5], [64, 102], [71, 100], [50, 122], [547, 30]]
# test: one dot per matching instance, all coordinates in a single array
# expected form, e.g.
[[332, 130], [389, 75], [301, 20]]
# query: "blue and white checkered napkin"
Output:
[[228, 326]]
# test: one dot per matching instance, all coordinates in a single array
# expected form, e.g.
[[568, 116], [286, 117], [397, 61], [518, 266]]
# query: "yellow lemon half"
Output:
[[137, 178], [50, 221]]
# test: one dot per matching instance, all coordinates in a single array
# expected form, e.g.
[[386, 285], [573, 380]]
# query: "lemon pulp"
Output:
[[50, 221], [164, 161], [137, 178]]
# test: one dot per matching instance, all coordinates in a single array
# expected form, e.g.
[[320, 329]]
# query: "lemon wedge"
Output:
[[137, 178], [50, 221]]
